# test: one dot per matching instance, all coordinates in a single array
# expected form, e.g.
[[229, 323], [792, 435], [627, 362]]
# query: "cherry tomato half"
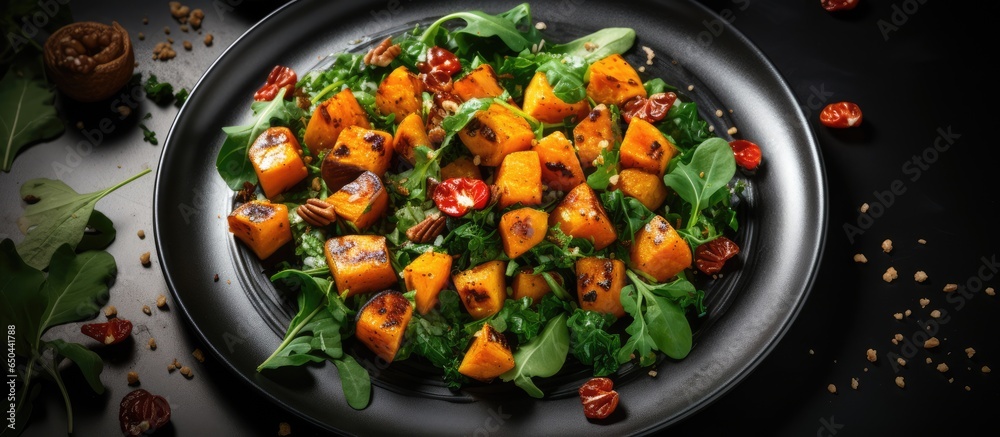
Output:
[[652, 109], [841, 115], [598, 398], [456, 196], [141, 413], [280, 77], [110, 332], [838, 5], [711, 256], [747, 154]]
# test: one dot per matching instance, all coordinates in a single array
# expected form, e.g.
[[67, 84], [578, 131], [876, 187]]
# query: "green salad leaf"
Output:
[[233, 163], [598, 45], [27, 111], [541, 357]]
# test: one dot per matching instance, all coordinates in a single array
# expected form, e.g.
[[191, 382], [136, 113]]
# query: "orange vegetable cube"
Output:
[[277, 158], [461, 167], [581, 215], [522, 229], [361, 202], [261, 225], [400, 94], [330, 118], [411, 133], [359, 263], [519, 179], [645, 187], [659, 251], [528, 284], [482, 288], [594, 133], [479, 83], [382, 321], [488, 357], [495, 133], [613, 81], [646, 148], [357, 150], [541, 102], [561, 170], [427, 274], [599, 283]]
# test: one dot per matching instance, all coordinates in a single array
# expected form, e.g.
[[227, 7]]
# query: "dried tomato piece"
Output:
[[598, 398], [711, 256], [456, 196], [747, 154], [651, 109], [841, 115], [441, 59], [141, 413], [280, 77], [838, 5], [113, 331]]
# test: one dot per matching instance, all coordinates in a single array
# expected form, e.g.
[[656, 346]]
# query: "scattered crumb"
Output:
[[690, 87], [951, 380], [898, 316], [208, 39], [920, 276], [831, 388], [900, 382], [184, 28], [132, 378], [866, 370], [718, 113], [936, 313], [924, 302], [732, 131], [970, 352], [110, 312], [922, 241], [198, 355], [860, 258], [967, 388], [872, 355], [642, 68], [161, 301], [711, 128], [986, 369], [613, 180], [898, 337], [990, 291], [186, 371], [864, 207], [152, 344], [142, 36], [932, 342], [887, 246], [141, 234], [540, 26], [652, 373], [477, 160], [907, 313], [215, 278], [854, 383], [145, 309], [187, 45], [166, 30], [284, 429], [144, 259], [901, 361], [890, 274], [812, 352], [942, 367], [164, 51], [948, 288], [928, 360], [145, 20], [649, 55]]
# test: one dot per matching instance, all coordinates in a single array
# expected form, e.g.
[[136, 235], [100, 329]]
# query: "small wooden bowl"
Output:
[[107, 67]]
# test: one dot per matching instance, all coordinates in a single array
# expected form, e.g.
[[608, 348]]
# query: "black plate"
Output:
[[241, 317]]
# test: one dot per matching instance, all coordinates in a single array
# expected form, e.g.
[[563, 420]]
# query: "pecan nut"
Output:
[[382, 54], [427, 230], [317, 213]]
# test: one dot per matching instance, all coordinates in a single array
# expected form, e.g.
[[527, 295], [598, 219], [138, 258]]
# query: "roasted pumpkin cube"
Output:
[[481, 82], [277, 158], [522, 229], [427, 274], [613, 81], [488, 357], [519, 179], [581, 215], [647, 188], [561, 170], [646, 148], [330, 118], [461, 167], [482, 288], [361, 202], [359, 264], [382, 321], [541, 102], [526, 283], [599, 283], [495, 133], [411, 133], [261, 225], [594, 133], [659, 251], [400, 94], [357, 150]]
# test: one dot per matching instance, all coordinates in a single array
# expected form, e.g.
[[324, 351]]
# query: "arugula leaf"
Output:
[[591, 343], [438, 336], [541, 357], [27, 112], [59, 217], [565, 76], [233, 162], [712, 167], [657, 85], [76, 287], [412, 183], [20, 300], [607, 166], [88, 361], [98, 234], [355, 381], [147, 134], [479, 24], [659, 321], [314, 334], [627, 212], [685, 126], [160, 93], [516, 316], [609, 41]]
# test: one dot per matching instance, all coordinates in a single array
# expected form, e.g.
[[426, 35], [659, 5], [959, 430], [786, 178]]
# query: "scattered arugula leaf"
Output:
[[160, 93], [541, 357], [591, 343], [148, 135], [27, 110], [181, 97], [699, 183], [479, 24]]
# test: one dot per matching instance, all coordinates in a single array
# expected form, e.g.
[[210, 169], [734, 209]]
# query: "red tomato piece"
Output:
[[747, 154], [456, 196], [841, 115], [838, 5], [711, 256], [598, 398], [141, 413], [113, 331], [652, 109], [280, 77], [441, 59]]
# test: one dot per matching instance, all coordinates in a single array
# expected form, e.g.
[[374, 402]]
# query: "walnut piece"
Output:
[[427, 230], [317, 213], [383, 54]]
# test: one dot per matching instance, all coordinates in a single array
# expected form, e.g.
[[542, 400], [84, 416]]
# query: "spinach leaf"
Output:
[[591, 343], [76, 287], [608, 41], [98, 234], [565, 76], [685, 126], [541, 357], [88, 361], [314, 334], [659, 321], [355, 381], [59, 217], [160, 93], [27, 111], [233, 162], [640, 343], [21, 303], [627, 213], [657, 85], [517, 317], [712, 167]]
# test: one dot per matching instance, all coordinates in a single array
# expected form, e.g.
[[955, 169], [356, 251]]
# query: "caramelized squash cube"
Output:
[[613, 81], [400, 94], [659, 251], [488, 357], [461, 167], [581, 215], [522, 229], [357, 150], [646, 148], [647, 188], [428, 274], [482, 288], [382, 321], [261, 225], [561, 170], [599, 283], [519, 179], [362, 202], [495, 133], [481, 82], [541, 102], [529, 284], [330, 118], [411, 133], [277, 159], [594, 133], [359, 264]]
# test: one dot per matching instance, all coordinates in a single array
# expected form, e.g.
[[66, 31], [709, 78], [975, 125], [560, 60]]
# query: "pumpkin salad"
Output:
[[471, 194]]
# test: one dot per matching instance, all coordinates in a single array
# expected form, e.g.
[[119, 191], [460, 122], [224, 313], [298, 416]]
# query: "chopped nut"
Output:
[[145, 309], [196, 17], [924, 302], [164, 51], [854, 383], [187, 45], [901, 361], [152, 343], [540, 25], [898, 337], [990, 291], [887, 246], [427, 230], [872, 355], [649, 55], [141, 234], [942, 367], [936, 314], [383, 54], [831, 388], [986, 369], [209, 39], [864, 207], [900, 382], [132, 378], [198, 355], [184, 27], [922, 241], [215, 278], [144, 259], [110, 312], [890, 274], [967, 388], [179, 11], [907, 313], [718, 113], [948, 288], [920, 276], [161, 301], [860, 258], [142, 36], [284, 429], [690, 87], [186, 371], [652, 373], [171, 367], [589, 46], [970, 352], [732, 131], [898, 316], [932, 343], [316, 212]]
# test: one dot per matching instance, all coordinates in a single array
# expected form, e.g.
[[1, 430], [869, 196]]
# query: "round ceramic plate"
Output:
[[242, 318]]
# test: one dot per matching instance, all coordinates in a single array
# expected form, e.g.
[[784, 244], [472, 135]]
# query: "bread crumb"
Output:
[[932, 343], [812, 352], [732, 131], [166, 30], [718, 113], [920, 276], [907, 313], [161, 301], [936, 314], [887, 246], [898, 337], [928, 360], [970, 352], [152, 344], [831, 388], [990, 291], [860, 258], [141, 234], [198, 355], [690, 87], [284, 429], [144, 259], [649, 55], [924, 302], [898, 316], [854, 383], [864, 207], [652, 373], [967, 388], [209, 39], [900, 382], [948, 288], [186, 371], [145, 309], [901, 361], [540, 26], [986, 369], [132, 378], [187, 45], [942, 367], [922, 241], [890, 274], [110, 312], [872, 355]]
